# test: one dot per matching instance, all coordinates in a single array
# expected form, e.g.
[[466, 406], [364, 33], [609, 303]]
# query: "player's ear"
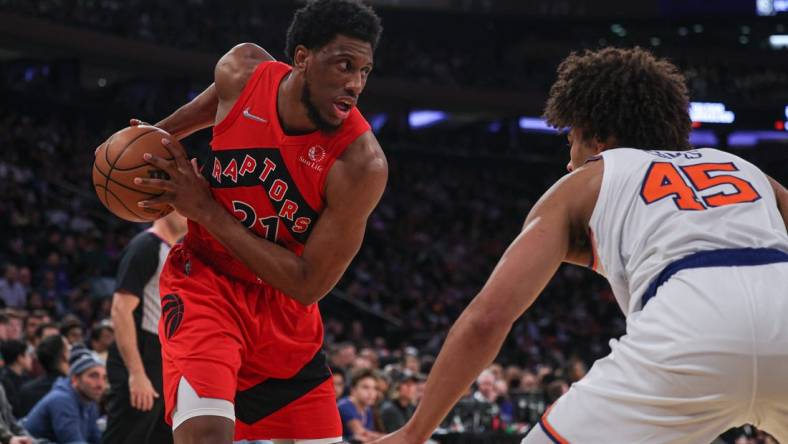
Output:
[[300, 57], [602, 145]]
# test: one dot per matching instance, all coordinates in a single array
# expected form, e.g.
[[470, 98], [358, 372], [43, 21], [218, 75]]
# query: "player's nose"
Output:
[[569, 166], [355, 84]]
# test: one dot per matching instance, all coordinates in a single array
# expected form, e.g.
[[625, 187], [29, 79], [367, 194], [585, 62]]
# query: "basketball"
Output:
[[119, 160]]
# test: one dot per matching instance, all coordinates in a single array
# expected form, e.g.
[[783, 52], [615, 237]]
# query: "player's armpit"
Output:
[[235, 67], [781, 194]]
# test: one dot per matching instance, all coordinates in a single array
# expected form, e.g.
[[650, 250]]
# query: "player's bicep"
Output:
[[352, 192], [547, 240], [234, 69], [527, 265]]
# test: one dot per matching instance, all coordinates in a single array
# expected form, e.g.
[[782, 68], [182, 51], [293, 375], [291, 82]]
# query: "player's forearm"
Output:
[[471, 345], [126, 339], [198, 114], [276, 265]]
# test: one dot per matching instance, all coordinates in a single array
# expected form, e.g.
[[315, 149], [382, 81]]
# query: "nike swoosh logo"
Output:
[[249, 115]]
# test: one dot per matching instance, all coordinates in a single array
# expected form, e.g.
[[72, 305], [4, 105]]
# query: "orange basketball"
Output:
[[119, 160]]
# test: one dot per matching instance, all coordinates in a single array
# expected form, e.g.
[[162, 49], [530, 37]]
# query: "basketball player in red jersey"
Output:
[[293, 175]]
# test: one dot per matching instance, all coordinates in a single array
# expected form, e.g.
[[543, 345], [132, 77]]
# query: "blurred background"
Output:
[[455, 99]]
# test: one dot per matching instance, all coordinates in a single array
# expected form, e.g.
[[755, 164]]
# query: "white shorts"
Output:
[[190, 405], [707, 353]]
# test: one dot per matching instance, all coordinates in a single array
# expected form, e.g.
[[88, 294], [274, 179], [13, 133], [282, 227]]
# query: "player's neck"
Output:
[[293, 115]]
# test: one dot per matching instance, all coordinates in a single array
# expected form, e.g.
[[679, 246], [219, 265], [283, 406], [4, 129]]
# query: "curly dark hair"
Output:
[[627, 94], [320, 21]]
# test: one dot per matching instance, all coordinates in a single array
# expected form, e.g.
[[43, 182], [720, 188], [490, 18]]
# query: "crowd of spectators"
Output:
[[431, 242], [486, 51], [444, 220]]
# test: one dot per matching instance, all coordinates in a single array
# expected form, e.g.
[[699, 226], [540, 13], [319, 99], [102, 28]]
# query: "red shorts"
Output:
[[247, 343]]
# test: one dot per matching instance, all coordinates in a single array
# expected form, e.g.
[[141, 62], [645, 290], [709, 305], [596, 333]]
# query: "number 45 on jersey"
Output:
[[664, 180]]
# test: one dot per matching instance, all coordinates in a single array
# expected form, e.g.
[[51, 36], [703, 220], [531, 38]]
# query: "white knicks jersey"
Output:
[[656, 207]]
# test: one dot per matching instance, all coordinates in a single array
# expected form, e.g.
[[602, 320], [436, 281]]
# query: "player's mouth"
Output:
[[343, 106]]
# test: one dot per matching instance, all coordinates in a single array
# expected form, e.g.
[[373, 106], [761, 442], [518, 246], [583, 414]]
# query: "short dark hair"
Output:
[[50, 352], [361, 374], [95, 333], [12, 349], [627, 94], [320, 21], [40, 329], [70, 324]]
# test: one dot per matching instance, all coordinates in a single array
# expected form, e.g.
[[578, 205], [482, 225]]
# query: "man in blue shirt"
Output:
[[356, 409], [68, 413]]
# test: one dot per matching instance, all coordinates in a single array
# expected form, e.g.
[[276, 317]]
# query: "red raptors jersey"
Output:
[[272, 182]]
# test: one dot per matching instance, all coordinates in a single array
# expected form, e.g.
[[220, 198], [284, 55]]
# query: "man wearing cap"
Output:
[[68, 413], [394, 413]]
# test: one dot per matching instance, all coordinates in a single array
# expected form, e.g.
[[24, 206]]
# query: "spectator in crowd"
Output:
[[72, 330], [44, 331], [18, 364], [555, 389], [395, 412], [102, 336], [485, 387], [52, 353], [15, 322], [12, 292], [69, 412], [411, 360], [528, 382], [3, 327], [505, 406], [356, 409], [343, 355], [11, 432], [339, 382], [32, 322]]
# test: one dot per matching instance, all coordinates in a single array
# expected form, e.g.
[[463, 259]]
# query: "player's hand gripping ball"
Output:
[[120, 159]]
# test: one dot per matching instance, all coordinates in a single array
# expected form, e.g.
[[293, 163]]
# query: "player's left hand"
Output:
[[186, 190]]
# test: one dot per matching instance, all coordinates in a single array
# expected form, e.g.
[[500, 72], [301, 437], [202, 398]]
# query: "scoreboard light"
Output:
[[536, 124], [771, 7], [777, 41], [425, 118], [710, 112]]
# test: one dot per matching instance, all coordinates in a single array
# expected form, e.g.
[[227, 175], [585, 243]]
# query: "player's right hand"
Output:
[[141, 392]]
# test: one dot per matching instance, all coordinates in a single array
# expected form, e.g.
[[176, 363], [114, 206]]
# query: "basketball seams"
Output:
[[131, 143], [107, 190], [123, 150], [137, 190]]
